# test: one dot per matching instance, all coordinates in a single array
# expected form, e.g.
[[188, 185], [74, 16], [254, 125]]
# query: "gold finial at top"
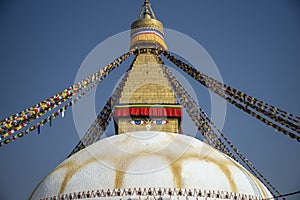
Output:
[[147, 31], [146, 11]]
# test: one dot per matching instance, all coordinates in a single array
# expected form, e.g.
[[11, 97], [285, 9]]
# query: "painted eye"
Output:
[[159, 122], [137, 122]]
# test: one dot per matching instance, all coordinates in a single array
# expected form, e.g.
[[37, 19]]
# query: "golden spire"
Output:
[[147, 101], [147, 31]]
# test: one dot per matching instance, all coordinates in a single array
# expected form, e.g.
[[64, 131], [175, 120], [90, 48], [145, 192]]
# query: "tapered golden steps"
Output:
[[147, 83]]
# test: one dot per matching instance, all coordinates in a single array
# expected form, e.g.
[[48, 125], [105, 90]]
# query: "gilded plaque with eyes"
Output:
[[147, 124]]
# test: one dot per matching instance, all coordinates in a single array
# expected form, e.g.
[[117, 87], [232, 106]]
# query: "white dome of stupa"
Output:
[[148, 164]]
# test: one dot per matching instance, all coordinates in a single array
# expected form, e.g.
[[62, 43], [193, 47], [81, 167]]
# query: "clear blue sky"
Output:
[[255, 44]]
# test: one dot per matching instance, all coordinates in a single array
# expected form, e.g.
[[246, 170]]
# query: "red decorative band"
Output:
[[148, 111]]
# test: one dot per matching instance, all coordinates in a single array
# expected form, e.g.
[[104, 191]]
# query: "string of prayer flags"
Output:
[[181, 94], [44, 121], [263, 108], [7, 137], [98, 127], [19, 120], [222, 90], [202, 120], [265, 121]]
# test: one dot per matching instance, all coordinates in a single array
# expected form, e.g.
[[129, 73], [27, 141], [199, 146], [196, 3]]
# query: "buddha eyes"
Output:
[[137, 122], [159, 122], [143, 121]]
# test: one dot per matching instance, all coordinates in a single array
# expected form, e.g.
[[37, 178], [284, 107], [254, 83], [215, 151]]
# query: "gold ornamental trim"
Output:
[[148, 23]]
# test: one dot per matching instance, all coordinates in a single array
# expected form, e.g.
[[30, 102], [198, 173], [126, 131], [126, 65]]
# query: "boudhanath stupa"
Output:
[[148, 157]]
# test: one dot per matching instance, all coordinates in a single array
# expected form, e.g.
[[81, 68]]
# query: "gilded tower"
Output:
[[147, 101]]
